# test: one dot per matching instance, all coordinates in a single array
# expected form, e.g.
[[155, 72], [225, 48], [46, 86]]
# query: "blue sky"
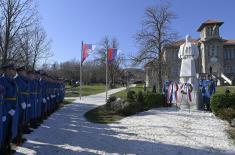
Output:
[[68, 22]]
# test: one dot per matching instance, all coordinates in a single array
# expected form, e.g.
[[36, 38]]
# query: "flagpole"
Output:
[[106, 75], [81, 73]]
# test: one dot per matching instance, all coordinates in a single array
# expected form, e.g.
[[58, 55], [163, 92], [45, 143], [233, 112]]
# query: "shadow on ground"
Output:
[[67, 132]]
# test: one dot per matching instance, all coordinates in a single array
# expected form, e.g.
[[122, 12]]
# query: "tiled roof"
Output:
[[229, 42], [180, 42], [209, 22]]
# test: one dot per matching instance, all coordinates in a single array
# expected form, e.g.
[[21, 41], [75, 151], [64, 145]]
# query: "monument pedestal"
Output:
[[194, 105]]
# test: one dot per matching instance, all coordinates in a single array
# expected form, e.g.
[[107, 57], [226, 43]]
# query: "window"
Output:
[[211, 31], [217, 51], [213, 50], [225, 53], [207, 31], [174, 70], [227, 69], [175, 54], [229, 53], [233, 69], [232, 54]]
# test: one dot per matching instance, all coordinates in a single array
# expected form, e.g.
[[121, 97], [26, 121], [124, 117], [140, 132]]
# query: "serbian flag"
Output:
[[112, 54], [86, 50]]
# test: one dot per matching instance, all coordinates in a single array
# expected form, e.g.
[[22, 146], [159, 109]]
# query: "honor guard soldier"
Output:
[[22, 96], [44, 94], [32, 98], [39, 101], [2, 117], [10, 106]]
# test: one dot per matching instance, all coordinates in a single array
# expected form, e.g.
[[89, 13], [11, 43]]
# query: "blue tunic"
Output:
[[2, 90], [23, 93], [10, 107]]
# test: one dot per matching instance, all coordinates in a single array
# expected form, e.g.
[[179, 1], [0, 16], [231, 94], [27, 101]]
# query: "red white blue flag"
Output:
[[112, 54], [87, 49]]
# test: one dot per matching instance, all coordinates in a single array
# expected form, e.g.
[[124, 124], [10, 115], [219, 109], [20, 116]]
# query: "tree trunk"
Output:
[[160, 73]]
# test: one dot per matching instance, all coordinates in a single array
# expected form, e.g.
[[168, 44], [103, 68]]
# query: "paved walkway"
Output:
[[158, 131]]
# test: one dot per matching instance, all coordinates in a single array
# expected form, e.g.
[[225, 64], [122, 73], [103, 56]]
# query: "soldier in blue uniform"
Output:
[[165, 89], [22, 94], [10, 106], [32, 99], [208, 89], [39, 101], [25, 93], [25, 97], [2, 90], [43, 94]]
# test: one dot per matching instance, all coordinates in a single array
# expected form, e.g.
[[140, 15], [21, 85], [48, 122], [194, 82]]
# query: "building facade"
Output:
[[216, 56]]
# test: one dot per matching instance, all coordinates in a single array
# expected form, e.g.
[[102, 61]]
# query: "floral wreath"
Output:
[[183, 91], [177, 87]]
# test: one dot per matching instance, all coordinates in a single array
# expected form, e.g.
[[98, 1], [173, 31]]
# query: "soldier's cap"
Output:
[[44, 73], [38, 72], [22, 68], [41, 72], [8, 66], [31, 71], [61, 79]]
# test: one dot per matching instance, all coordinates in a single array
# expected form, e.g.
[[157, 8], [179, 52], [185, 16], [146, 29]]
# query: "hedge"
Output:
[[221, 101], [152, 100]]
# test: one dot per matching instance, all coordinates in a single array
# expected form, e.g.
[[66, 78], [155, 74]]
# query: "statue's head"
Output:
[[188, 38]]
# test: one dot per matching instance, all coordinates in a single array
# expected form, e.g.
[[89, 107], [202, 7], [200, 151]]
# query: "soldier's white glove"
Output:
[[52, 96], [4, 118], [12, 112], [28, 105], [23, 105], [44, 100], [58, 94], [48, 98]]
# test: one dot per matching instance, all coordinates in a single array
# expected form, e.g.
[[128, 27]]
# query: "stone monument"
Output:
[[189, 53]]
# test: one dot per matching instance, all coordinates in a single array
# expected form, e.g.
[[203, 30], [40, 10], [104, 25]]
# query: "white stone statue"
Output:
[[188, 53]]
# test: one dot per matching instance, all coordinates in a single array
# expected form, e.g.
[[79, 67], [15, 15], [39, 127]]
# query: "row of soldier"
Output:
[[26, 98]]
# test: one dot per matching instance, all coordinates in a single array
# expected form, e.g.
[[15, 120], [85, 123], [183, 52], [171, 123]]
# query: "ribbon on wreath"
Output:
[[187, 89], [172, 92]]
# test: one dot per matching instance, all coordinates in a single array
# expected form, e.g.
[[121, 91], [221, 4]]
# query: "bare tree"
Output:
[[40, 46], [114, 67], [155, 34], [25, 54], [15, 16]]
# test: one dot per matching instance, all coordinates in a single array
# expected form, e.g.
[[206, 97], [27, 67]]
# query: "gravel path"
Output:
[[159, 131]]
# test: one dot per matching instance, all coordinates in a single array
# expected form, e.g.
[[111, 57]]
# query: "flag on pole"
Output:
[[86, 50], [112, 54]]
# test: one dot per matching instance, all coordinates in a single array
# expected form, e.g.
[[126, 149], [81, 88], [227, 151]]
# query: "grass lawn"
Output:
[[68, 101], [221, 89], [86, 90], [102, 115], [123, 94]]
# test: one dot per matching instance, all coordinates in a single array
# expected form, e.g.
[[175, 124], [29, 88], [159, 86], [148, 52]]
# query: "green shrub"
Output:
[[227, 91], [131, 96], [227, 114], [219, 101], [132, 109], [110, 100], [140, 97], [152, 100]]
